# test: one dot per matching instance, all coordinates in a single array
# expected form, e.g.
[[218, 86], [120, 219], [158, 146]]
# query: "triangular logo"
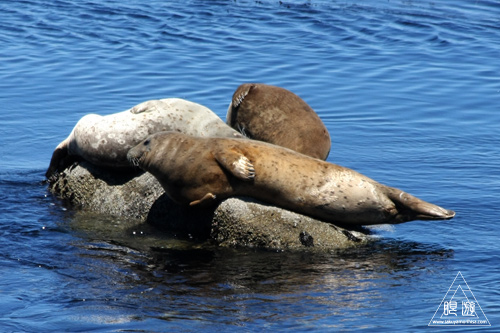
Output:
[[459, 307]]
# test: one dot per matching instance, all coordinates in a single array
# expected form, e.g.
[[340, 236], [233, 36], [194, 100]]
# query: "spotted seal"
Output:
[[203, 171], [105, 140]]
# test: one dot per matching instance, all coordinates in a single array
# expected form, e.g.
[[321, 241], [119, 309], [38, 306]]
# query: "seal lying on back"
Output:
[[207, 170], [276, 115], [105, 140]]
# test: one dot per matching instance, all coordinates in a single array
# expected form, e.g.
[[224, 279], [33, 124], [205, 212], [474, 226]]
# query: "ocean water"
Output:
[[409, 90]]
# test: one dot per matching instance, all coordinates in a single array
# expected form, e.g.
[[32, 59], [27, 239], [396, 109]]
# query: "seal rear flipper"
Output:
[[207, 199], [412, 208], [236, 163]]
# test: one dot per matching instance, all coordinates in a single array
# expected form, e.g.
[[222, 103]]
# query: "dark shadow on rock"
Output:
[[183, 220], [112, 176]]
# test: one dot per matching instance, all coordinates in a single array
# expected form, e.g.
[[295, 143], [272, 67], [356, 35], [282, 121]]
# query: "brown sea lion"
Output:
[[207, 170], [105, 140], [276, 115]]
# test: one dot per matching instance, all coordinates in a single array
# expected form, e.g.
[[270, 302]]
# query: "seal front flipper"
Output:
[[242, 92], [59, 160], [239, 95], [147, 106], [236, 163], [206, 200]]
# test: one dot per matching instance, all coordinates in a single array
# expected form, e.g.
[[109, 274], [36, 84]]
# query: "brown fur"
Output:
[[276, 115], [207, 170]]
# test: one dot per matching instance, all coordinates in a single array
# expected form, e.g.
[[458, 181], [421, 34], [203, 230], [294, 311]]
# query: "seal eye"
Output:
[[146, 142]]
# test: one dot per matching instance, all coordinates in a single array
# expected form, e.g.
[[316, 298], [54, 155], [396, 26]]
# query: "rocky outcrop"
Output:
[[236, 222]]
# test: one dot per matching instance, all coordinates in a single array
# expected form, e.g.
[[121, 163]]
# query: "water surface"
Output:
[[409, 91]]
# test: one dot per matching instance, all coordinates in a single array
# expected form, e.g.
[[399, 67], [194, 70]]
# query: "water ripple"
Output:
[[408, 90]]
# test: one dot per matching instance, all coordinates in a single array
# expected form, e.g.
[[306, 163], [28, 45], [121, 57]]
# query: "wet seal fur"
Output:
[[204, 171], [276, 115], [105, 140]]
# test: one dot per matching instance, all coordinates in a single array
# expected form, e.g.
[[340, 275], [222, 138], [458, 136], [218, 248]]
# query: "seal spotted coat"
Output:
[[204, 171], [105, 140]]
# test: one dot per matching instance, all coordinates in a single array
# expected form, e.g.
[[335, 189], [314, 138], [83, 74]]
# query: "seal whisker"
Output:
[[135, 161], [241, 129]]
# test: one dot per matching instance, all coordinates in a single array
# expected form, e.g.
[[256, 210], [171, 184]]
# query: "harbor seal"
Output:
[[105, 140], [203, 171], [276, 115]]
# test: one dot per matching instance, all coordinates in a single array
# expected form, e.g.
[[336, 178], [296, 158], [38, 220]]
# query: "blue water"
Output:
[[409, 90]]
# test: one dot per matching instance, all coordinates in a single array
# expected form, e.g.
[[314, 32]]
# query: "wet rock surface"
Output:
[[235, 222]]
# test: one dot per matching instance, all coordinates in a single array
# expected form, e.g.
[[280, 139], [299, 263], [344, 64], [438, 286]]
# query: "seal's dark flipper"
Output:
[[206, 200], [412, 208], [236, 163], [58, 160]]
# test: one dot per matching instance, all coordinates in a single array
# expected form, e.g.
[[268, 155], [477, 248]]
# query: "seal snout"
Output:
[[136, 154], [133, 158]]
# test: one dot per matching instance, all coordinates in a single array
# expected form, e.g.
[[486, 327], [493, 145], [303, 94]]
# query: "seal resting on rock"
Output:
[[204, 171], [105, 140], [278, 116]]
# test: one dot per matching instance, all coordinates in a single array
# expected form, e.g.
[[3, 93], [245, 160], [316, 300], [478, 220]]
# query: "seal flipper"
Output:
[[144, 107], [206, 200], [236, 163], [412, 208], [239, 95], [59, 160]]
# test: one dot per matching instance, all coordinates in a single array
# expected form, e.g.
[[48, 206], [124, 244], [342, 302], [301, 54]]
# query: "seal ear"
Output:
[[236, 163]]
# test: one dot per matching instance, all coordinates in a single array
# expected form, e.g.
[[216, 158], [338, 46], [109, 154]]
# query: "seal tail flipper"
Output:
[[412, 208]]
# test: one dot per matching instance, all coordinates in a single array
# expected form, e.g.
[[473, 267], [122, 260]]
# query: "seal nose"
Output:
[[133, 156]]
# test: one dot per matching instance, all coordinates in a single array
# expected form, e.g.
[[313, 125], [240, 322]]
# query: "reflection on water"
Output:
[[100, 270], [170, 279], [407, 89]]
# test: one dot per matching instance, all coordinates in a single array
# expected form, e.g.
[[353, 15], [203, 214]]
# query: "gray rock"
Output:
[[236, 222]]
